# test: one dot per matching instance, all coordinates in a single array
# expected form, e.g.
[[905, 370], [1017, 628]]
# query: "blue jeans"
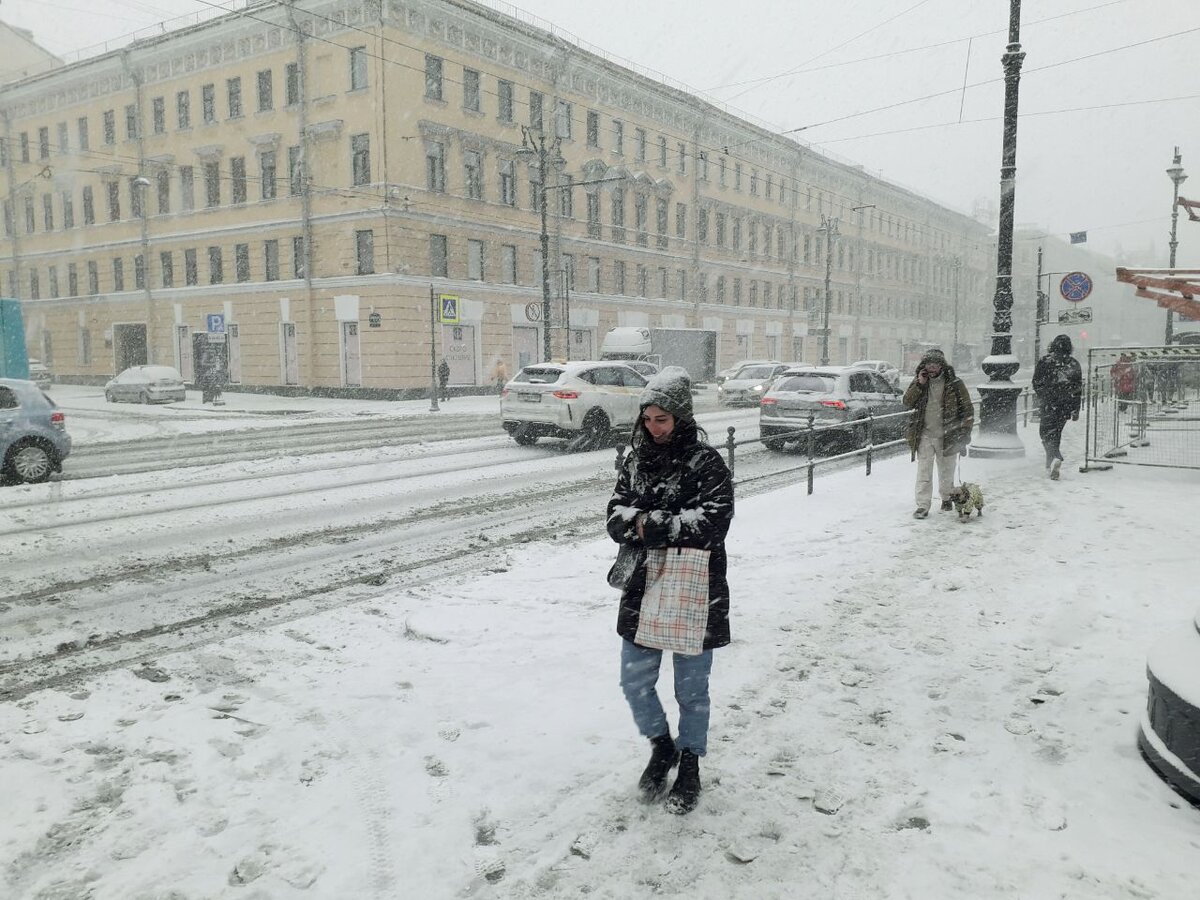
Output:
[[639, 674]]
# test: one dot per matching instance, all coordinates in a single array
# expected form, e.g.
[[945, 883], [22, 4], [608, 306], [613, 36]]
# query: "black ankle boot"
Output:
[[685, 793], [663, 757]]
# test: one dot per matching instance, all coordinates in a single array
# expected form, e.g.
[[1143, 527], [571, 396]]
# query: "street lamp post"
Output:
[[1178, 177], [830, 227], [998, 398], [549, 154], [141, 184]]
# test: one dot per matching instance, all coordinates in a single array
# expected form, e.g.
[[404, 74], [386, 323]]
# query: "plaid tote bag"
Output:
[[674, 612]]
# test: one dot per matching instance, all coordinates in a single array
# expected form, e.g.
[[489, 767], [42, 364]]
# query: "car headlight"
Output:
[[758, 387]]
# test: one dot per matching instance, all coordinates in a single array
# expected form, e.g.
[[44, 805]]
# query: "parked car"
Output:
[[748, 385], [581, 401], [831, 395], [39, 374], [725, 374], [33, 433], [880, 367], [643, 367], [146, 384]]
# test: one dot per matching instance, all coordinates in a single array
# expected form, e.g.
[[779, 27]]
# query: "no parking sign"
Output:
[[1075, 286]]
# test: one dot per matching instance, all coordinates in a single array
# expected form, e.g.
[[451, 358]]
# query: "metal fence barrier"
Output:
[[1142, 407]]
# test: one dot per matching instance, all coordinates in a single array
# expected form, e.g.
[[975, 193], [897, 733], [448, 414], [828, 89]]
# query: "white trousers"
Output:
[[928, 452]]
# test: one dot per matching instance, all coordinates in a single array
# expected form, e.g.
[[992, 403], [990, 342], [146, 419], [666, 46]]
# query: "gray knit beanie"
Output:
[[671, 391]]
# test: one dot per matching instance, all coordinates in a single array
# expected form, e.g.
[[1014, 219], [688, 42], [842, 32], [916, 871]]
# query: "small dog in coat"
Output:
[[967, 499]]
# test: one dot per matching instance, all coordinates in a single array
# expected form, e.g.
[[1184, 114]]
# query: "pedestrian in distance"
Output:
[[500, 374], [1124, 378], [443, 373], [1058, 384], [673, 491], [940, 428]]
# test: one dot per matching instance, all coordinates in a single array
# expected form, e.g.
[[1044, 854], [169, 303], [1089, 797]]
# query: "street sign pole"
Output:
[[433, 383]]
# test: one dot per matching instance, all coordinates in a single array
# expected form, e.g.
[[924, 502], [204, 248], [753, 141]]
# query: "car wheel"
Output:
[[144, 397], [773, 444], [108, 397], [525, 436], [593, 434], [30, 462]]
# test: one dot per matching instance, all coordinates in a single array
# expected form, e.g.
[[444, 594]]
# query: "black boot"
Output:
[[685, 793], [663, 757]]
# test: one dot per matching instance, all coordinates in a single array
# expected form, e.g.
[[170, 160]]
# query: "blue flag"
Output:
[[1078, 237]]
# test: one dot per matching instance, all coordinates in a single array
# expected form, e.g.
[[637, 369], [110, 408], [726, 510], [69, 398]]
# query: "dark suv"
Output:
[[33, 433]]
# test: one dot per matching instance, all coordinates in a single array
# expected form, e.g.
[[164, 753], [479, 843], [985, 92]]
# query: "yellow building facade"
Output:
[[308, 175]]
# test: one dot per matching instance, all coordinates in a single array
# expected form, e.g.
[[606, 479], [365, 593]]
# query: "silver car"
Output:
[[748, 385], [146, 384], [831, 395], [33, 433]]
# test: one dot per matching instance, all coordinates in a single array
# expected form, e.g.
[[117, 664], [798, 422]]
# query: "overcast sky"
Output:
[[1095, 136]]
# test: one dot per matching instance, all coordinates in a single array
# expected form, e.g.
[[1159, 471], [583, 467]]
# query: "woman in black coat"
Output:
[[673, 490]]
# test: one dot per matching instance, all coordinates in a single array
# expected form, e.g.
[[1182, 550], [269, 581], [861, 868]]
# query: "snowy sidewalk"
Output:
[[972, 690]]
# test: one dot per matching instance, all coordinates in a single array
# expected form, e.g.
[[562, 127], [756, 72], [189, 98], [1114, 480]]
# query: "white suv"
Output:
[[582, 401]]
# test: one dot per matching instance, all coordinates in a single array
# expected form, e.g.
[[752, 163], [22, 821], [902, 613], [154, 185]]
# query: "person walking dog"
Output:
[[672, 508], [1058, 383], [940, 427]]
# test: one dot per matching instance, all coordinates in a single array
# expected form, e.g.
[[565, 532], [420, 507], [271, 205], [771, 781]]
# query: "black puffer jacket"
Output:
[[1058, 380], [687, 491]]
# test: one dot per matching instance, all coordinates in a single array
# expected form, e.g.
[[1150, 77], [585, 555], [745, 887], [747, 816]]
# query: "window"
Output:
[[593, 128], [593, 214], [114, 201], [298, 265], [435, 167], [753, 292], [358, 68], [535, 110], [35, 287], [93, 270], [721, 171], [44, 142], [48, 212], [618, 137], [562, 120], [702, 226], [639, 137], [237, 179], [662, 282], [508, 183], [8, 218], [208, 100], [158, 113], [640, 215], [737, 292], [291, 83], [473, 174], [241, 262], [89, 206], [265, 82], [566, 196], [266, 166], [438, 255], [216, 268], [593, 282], [137, 198], [680, 220], [72, 280], [212, 184], [110, 127], [187, 188], [619, 277], [139, 272], [68, 204], [753, 238], [681, 281], [81, 126], [703, 166], [682, 150], [24, 146], [754, 182], [271, 260], [53, 280], [721, 230], [360, 159], [433, 77], [662, 151], [504, 91], [660, 221], [166, 264], [131, 122], [737, 176], [233, 96], [720, 288], [475, 260], [190, 269], [618, 215], [294, 171], [641, 281], [508, 262], [471, 90], [63, 139], [769, 187], [29, 217], [183, 110]]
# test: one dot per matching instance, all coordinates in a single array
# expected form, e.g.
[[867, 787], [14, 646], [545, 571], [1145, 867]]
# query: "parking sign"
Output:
[[216, 323]]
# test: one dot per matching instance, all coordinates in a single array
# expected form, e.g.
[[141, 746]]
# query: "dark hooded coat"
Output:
[[958, 413], [1058, 380], [687, 492]]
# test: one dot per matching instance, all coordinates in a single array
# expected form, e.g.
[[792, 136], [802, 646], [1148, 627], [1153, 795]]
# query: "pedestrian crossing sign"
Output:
[[448, 303]]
